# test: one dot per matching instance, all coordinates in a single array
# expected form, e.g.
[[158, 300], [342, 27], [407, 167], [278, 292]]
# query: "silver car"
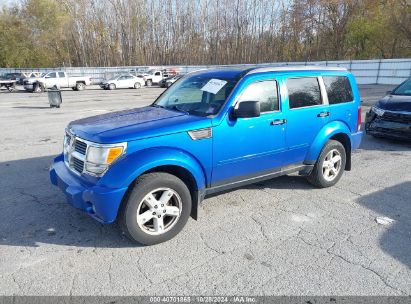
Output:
[[123, 82]]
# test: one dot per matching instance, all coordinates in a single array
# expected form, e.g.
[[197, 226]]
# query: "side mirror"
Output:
[[247, 109], [389, 92]]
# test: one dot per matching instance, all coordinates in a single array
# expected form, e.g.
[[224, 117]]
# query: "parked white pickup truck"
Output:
[[154, 77], [59, 79]]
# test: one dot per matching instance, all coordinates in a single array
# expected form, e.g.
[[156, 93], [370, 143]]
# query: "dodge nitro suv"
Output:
[[149, 168]]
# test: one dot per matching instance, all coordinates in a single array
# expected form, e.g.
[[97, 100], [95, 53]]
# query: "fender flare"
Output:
[[328, 131], [133, 165]]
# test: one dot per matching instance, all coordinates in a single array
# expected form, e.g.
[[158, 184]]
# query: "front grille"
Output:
[[78, 165], [75, 153], [80, 147], [397, 117]]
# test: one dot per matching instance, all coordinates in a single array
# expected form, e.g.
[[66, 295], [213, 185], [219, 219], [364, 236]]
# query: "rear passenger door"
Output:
[[341, 100], [307, 114]]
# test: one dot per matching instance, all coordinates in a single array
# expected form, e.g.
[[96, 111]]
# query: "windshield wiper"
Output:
[[157, 106], [175, 108]]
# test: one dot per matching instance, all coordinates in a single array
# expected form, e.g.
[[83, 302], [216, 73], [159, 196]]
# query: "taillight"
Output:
[[359, 119]]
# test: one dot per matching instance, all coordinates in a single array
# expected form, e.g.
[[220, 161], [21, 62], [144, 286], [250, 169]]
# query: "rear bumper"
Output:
[[356, 140], [390, 129], [100, 203]]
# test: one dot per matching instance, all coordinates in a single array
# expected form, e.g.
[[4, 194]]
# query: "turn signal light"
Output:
[[113, 154]]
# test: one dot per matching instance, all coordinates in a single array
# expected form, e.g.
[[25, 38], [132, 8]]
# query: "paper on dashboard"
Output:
[[213, 85]]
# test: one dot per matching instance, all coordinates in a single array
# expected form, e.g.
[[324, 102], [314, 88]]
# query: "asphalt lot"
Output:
[[280, 237]]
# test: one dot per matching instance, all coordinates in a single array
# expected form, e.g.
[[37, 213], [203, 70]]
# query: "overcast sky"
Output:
[[5, 2]]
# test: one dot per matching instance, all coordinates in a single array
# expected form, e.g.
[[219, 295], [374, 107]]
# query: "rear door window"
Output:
[[61, 74], [303, 92], [338, 89]]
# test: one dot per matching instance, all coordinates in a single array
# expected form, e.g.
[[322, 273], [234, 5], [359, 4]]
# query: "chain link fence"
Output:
[[381, 71]]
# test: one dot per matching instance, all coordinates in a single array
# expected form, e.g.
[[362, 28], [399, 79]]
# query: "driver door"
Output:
[[122, 82], [244, 148], [51, 80]]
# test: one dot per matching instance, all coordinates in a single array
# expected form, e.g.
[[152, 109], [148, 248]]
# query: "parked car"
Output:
[[23, 75], [18, 77], [123, 82], [212, 131], [59, 79], [391, 116], [165, 83], [8, 84], [154, 77]]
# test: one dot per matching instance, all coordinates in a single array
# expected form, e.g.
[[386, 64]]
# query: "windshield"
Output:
[[197, 95], [113, 78], [403, 89]]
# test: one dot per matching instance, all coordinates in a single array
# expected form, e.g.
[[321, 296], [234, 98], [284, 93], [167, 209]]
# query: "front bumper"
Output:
[[376, 126], [99, 202], [28, 87]]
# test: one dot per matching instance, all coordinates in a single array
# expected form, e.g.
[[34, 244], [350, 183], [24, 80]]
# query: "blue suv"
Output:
[[213, 130]]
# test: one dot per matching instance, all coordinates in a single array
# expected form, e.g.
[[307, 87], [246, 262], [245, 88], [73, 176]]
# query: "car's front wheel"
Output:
[[330, 165], [137, 85], [80, 86], [156, 209]]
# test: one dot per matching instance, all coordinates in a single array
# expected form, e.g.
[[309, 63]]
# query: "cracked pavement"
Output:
[[279, 237]]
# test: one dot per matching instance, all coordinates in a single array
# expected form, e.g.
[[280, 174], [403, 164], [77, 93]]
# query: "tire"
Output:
[[38, 87], [80, 86], [111, 86], [330, 165], [137, 85], [149, 83], [156, 227]]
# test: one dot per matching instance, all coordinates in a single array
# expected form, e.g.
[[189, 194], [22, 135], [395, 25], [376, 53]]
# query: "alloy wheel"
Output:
[[332, 165], [159, 211]]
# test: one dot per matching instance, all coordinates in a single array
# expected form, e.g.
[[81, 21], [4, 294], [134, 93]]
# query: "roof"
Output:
[[292, 68], [232, 72]]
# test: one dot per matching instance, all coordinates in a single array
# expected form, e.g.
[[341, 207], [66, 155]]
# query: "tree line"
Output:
[[50, 33]]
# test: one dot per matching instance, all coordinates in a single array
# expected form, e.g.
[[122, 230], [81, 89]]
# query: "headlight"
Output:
[[378, 111], [100, 157]]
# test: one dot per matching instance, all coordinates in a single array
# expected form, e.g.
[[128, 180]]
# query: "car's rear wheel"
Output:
[[330, 165], [137, 85], [149, 83], [156, 209], [112, 86]]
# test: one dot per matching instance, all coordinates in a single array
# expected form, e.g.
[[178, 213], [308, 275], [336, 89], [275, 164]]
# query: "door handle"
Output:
[[323, 114], [278, 122]]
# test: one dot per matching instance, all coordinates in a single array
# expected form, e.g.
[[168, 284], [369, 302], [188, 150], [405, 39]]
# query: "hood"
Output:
[[395, 103], [135, 124]]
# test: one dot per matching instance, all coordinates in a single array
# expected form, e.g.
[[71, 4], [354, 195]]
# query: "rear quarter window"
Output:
[[338, 89]]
